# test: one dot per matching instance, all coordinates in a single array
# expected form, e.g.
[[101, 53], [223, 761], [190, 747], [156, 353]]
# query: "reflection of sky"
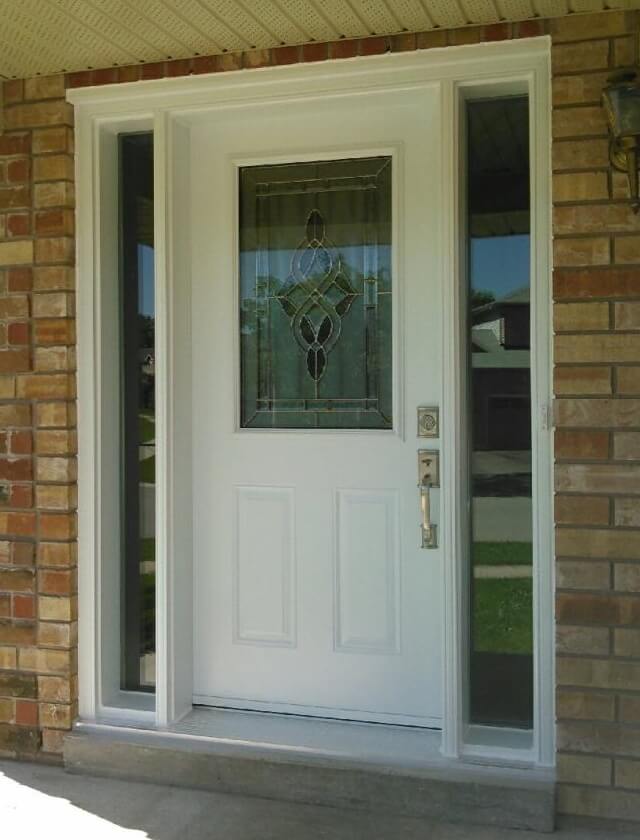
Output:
[[145, 279], [499, 264]]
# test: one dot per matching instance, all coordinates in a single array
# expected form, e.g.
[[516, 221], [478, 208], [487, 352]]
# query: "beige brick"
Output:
[[56, 442], [627, 575], [619, 187], [584, 121], [52, 359], [56, 716], [45, 661], [626, 250], [627, 774], [56, 469], [580, 186], [628, 380], [583, 27], [44, 87], [627, 512], [55, 415], [626, 642], [580, 705], [56, 689], [53, 194], [53, 304], [581, 445], [53, 741], [59, 249], [580, 154], [572, 574], [596, 412], [8, 658], [45, 386], [56, 497], [56, 112], [597, 478], [611, 674], [57, 634], [585, 251], [624, 51], [587, 55], [592, 641], [583, 380], [626, 446], [584, 770], [53, 168], [601, 803], [579, 90], [598, 542], [594, 218], [627, 315], [629, 709], [19, 252], [582, 510], [53, 278], [57, 139], [580, 316], [57, 554]]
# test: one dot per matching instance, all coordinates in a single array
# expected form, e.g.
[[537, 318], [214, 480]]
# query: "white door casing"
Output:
[[312, 593], [172, 108]]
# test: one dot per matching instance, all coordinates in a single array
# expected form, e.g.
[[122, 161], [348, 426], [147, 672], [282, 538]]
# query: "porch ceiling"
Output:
[[51, 36]]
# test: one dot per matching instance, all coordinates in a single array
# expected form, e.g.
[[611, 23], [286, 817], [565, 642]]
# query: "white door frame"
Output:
[[166, 106]]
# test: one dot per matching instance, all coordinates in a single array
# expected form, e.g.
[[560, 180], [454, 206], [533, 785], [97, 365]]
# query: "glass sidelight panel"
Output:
[[315, 295], [499, 422], [137, 365]]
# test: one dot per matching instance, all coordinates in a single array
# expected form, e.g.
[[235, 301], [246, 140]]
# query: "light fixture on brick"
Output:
[[621, 100]]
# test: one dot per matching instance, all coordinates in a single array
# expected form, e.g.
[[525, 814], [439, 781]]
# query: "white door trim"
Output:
[[166, 107]]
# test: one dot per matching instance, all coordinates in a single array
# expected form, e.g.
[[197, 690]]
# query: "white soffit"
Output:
[[52, 36]]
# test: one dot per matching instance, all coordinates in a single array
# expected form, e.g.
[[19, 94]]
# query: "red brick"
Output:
[[497, 32], [286, 55], [596, 283], [129, 73], [18, 224], [371, 46], [26, 713], [15, 143], [21, 496], [84, 78], [182, 67], [18, 332], [19, 279], [105, 76], [18, 171], [346, 48], [24, 606], [205, 64], [315, 52], [153, 71]]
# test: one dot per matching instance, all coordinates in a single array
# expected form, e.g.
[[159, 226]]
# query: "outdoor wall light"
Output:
[[621, 100]]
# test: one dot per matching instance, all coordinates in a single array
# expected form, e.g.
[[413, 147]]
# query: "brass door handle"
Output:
[[428, 477]]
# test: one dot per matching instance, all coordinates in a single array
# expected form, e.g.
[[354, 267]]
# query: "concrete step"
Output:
[[446, 791]]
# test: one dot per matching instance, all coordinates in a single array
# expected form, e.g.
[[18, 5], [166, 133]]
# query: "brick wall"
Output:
[[597, 381], [38, 606]]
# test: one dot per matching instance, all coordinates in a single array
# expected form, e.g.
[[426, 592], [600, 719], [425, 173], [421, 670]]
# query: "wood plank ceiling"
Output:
[[51, 36]]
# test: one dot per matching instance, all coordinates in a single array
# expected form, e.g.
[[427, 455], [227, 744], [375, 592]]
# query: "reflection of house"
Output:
[[501, 380]]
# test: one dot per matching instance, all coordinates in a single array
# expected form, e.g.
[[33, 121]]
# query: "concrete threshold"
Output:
[[366, 767]]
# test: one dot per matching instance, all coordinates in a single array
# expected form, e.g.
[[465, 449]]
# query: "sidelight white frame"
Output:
[[165, 106]]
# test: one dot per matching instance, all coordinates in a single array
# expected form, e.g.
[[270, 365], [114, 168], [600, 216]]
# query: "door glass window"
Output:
[[137, 364], [315, 295], [499, 376]]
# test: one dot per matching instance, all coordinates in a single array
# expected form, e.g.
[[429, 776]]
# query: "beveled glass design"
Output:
[[315, 295]]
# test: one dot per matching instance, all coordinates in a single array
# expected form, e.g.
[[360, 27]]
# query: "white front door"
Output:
[[317, 332]]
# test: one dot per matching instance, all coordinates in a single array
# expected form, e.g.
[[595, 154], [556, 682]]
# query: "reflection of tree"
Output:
[[481, 297], [147, 331]]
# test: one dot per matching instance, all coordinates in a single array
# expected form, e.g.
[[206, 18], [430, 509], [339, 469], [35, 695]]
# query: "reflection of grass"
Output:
[[148, 470], [147, 549], [503, 616], [502, 554], [146, 427]]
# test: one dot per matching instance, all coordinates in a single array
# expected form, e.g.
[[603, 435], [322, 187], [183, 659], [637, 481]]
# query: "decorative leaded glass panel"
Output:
[[315, 295]]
